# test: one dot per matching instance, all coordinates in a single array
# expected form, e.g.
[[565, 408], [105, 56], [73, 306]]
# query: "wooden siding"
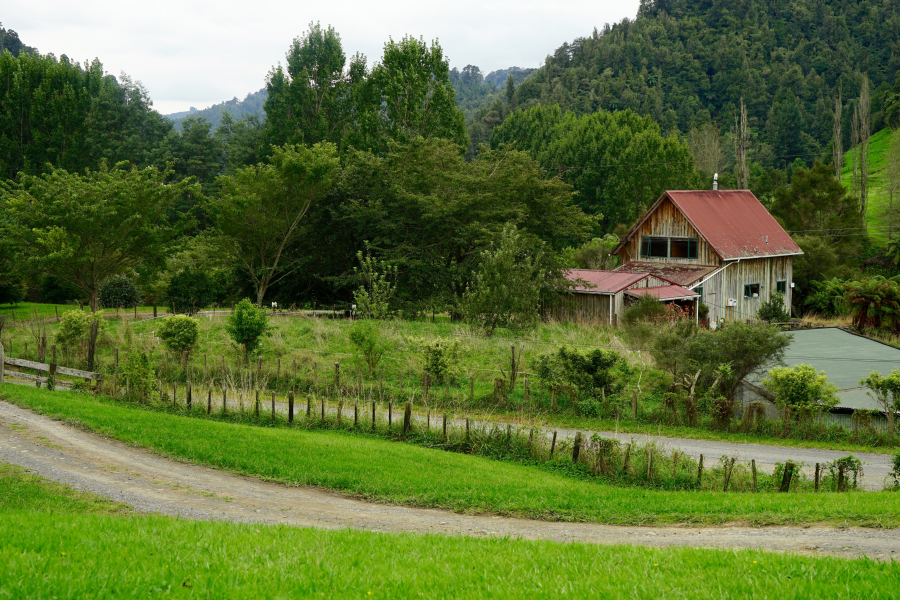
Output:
[[668, 221], [647, 282], [584, 308], [730, 282]]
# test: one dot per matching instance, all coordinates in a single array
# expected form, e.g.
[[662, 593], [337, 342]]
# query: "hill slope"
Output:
[[877, 218], [251, 105]]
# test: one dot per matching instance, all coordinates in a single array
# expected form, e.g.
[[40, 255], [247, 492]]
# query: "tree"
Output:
[[837, 149], [816, 202], [259, 214], [773, 310], [801, 388], [247, 325], [886, 391], [378, 285], [706, 146], [191, 289], [741, 146], [874, 302], [179, 333], [506, 288], [85, 228], [119, 291]]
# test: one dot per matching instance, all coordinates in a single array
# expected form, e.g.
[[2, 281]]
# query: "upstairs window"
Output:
[[654, 247], [664, 247]]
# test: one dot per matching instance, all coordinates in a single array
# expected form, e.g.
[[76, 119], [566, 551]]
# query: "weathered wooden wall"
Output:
[[667, 221], [730, 282], [583, 308]]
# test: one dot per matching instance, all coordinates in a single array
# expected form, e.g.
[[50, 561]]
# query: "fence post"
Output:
[[700, 473], [2, 363], [373, 415], [626, 465], [209, 401], [308, 407], [291, 407], [407, 418], [817, 477], [445, 427], [467, 430], [224, 402], [428, 422], [174, 394], [256, 405], [728, 475], [390, 414], [576, 448], [530, 441], [51, 374], [753, 469], [553, 446], [786, 478], [188, 398], [356, 414], [273, 406], [841, 482]]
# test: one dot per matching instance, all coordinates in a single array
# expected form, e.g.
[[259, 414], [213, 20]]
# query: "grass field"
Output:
[[877, 214], [384, 471], [67, 544]]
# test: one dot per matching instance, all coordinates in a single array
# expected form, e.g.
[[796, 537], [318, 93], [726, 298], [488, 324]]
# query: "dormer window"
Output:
[[666, 247]]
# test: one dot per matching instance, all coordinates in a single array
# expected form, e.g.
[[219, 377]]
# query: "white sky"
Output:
[[198, 53]]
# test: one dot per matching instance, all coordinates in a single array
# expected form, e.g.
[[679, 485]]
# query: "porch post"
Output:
[[696, 310]]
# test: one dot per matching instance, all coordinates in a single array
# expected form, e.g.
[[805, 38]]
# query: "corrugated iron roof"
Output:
[[734, 223], [664, 292], [603, 282], [676, 273]]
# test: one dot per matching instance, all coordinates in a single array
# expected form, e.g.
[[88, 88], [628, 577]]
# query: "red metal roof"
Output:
[[603, 282], [681, 274], [664, 292], [734, 223]]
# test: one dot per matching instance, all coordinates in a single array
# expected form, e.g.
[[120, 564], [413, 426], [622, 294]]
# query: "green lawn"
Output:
[[385, 471], [66, 544], [24, 311]]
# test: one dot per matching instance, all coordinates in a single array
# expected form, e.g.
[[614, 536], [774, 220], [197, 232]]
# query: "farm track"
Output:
[[150, 483]]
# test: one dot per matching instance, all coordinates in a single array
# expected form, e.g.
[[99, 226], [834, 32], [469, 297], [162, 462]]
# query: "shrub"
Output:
[[75, 328], [645, 309], [827, 297], [11, 292], [191, 290], [179, 333], [587, 372], [247, 325], [440, 358], [119, 291], [801, 388], [140, 375], [366, 336], [895, 471], [373, 297], [849, 464], [773, 309]]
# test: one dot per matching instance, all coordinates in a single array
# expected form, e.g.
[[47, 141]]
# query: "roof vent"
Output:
[[715, 181]]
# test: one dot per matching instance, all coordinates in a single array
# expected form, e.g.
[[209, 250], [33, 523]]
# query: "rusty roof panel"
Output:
[[679, 273], [664, 292], [603, 282], [734, 223]]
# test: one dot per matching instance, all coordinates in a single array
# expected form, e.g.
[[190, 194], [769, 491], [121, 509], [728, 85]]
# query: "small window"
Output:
[[654, 247], [781, 287], [699, 290], [684, 248], [751, 290]]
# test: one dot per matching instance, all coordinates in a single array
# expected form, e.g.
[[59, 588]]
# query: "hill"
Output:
[[687, 64], [9, 40], [877, 218], [251, 105]]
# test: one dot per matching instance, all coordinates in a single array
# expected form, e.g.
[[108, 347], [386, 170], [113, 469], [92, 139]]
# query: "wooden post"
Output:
[[51, 374], [576, 448], [817, 477], [209, 401], [154, 311], [291, 407], [135, 313], [407, 418], [728, 475], [700, 473], [224, 402], [753, 469], [841, 481], [390, 414], [786, 478], [467, 430], [308, 407], [634, 405], [273, 406], [650, 463], [627, 463], [428, 422], [373, 415], [2, 363], [323, 410], [188, 399], [508, 435], [175, 394], [256, 405], [445, 427], [553, 446], [356, 414], [56, 308], [116, 355]]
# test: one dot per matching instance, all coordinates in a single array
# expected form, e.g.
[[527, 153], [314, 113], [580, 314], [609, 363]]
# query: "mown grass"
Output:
[[380, 470], [52, 546]]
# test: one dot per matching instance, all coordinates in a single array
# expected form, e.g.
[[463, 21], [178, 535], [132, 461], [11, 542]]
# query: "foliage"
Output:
[[773, 309], [12, 291], [588, 372], [847, 464], [119, 291], [75, 328], [815, 201], [141, 376], [886, 390], [828, 297], [379, 283], [801, 388], [192, 289], [247, 325], [179, 333], [366, 337], [565, 143], [260, 212], [440, 358], [596, 254], [506, 288], [646, 309], [874, 302], [85, 228], [895, 471]]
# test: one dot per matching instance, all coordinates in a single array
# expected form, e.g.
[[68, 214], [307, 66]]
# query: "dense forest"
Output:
[[426, 170]]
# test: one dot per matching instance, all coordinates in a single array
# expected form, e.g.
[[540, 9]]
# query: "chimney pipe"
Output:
[[715, 181]]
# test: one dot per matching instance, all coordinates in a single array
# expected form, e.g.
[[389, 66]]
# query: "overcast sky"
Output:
[[193, 53]]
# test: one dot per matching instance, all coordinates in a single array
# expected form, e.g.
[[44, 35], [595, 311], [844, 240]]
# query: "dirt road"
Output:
[[154, 484]]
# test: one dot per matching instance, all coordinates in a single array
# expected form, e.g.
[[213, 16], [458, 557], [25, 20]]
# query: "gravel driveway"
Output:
[[151, 483]]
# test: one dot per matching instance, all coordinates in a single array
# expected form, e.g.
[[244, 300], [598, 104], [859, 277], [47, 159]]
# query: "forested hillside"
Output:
[[9, 40], [687, 64], [250, 106]]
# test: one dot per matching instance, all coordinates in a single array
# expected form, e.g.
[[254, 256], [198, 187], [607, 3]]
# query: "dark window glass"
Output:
[[699, 290], [781, 287], [751, 290], [654, 247], [684, 248]]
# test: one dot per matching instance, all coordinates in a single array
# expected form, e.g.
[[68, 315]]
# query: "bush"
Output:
[[75, 328], [247, 325], [373, 297], [773, 309], [192, 289], [366, 336], [440, 358], [587, 372], [895, 471], [119, 291], [801, 388], [827, 297], [179, 333], [12, 292], [140, 375], [645, 310]]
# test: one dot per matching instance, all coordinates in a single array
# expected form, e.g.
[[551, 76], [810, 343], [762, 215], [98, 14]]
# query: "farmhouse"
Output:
[[720, 248]]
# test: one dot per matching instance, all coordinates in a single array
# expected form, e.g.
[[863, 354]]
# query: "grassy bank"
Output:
[[384, 471], [61, 545]]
